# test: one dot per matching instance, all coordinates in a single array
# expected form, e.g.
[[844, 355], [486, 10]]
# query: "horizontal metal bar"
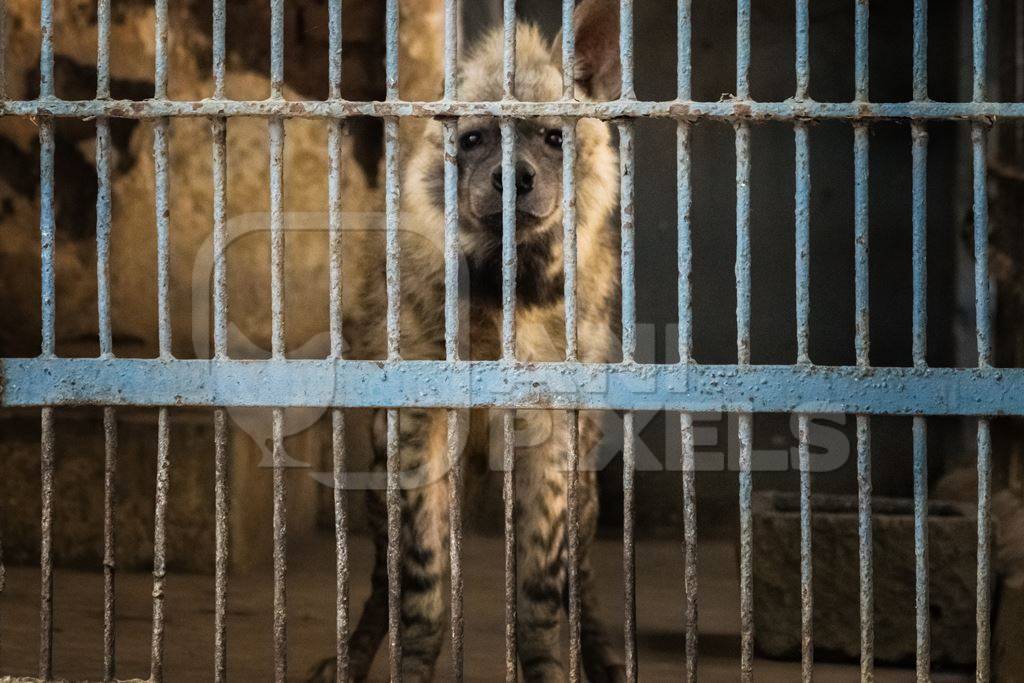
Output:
[[726, 110], [463, 384]]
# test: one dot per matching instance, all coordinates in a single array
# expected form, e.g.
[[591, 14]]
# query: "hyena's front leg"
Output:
[[540, 499], [424, 543]]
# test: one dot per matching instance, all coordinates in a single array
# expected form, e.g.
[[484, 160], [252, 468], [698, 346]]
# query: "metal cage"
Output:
[[50, 382]]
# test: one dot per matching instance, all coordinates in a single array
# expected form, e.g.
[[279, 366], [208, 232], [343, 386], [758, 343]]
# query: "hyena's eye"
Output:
[[553, 137], [470, 140]]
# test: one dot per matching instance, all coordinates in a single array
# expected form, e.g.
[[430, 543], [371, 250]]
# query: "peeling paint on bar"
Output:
[[726, 110], [463, 384]]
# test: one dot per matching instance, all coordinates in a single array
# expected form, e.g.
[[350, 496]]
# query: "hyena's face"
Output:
[[538, 155], [537, 171]]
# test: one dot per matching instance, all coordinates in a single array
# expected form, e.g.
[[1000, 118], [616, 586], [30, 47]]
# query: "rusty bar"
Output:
[[509, 497], [627, 172], [455, 491], [806, 558], [339, 455], [392, 205], [46, 466], [862, 346], [684, 259], [746, 436], [728, 110], [743, 343], [163, 471], [626, 48], [47, 235], [160, 145], [629, 544], [276, 134], [280, 556], [508, 240], [982, 304], [393, 501], [572, 469], [919, 153], [45, 49], [109, 558], [222, 511], [221, 494], [508, 327], [451, 266]]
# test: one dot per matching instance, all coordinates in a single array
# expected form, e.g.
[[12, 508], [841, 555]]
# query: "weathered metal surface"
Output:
[[730, 109], [464, 384]]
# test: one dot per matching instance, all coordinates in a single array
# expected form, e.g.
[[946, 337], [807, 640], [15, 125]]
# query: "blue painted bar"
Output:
[[47, 236], [627, 178], [684, 49], [802, 221], [508, 240], [34, 382]]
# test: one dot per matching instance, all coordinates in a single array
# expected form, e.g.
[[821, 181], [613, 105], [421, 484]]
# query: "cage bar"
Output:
[[684, 260], [339, 455], [802, 222], [728, 110], [745, 427], [221, 495], [46, 464], [627, 223], [163, 476], [392, 197], [508, 326], [862, 346], [449, 129], [919, 166]]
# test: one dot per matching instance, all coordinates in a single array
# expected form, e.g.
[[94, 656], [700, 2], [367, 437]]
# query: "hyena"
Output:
[[540, 474]]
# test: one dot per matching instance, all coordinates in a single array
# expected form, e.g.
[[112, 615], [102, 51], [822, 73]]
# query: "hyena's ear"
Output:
[[598, 70]]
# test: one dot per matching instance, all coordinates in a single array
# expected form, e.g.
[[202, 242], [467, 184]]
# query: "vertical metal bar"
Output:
[[983, 325], [627, 172], [508, 496], [160, 145], [684, 258], [163, 466], [276, 139], [221, 544], [508, 239], [806, 558], [451, 291], [280, 554], [508, 329], [47, 238], [392, 198], [46, 547], [47, 234], [743, 342], [109, 558], [802, 219], [573, 531], [919, 152], [339, 455], [105, 336], [862, 344], [218, 130]]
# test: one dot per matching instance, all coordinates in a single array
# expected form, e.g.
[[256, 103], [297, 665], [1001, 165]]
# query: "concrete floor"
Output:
[[189, 650]]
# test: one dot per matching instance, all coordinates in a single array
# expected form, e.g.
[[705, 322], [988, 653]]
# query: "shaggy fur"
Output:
[[541, 436]]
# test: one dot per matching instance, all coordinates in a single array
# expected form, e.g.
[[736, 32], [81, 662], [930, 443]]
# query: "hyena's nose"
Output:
[[524, 178]]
